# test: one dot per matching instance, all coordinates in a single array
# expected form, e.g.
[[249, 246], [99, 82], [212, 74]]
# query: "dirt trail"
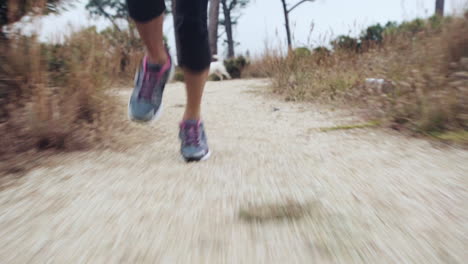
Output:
[[276, 190]]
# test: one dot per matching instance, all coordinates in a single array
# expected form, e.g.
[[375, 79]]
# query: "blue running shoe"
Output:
[[146, 100], [194, 145]]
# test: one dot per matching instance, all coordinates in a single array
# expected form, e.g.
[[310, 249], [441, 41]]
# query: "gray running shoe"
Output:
[[194, 145], [146, 100]]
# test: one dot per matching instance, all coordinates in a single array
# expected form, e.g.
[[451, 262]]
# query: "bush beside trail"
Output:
[[53, 95], [424, 64]]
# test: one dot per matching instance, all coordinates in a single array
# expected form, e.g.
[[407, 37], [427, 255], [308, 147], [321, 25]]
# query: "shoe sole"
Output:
[[153, 119], [207, 156]]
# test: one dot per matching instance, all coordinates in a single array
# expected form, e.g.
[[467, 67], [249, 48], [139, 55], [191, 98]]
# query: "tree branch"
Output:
[[105, 14], [298, 4], [232, 4]]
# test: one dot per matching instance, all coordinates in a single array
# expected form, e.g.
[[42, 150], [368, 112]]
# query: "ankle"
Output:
[[158, 58], [191, 116]]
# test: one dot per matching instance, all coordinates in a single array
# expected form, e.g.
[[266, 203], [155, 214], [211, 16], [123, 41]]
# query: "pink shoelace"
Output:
[[191, 133], [151, 77]]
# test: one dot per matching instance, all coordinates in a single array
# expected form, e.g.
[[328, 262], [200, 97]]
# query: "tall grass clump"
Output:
[[424, 64], [53, 95]]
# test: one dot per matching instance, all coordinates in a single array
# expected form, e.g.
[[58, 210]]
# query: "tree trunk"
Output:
[[440, 7], [213, 26], [176, 37], [286, 24], [228, 26]]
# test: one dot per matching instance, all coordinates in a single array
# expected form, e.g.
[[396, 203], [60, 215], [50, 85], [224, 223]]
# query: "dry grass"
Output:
[[54, 95], [426, 74], [266, 66]]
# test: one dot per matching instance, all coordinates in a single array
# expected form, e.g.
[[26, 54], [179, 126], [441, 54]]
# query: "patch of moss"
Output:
[[373, 123], [460, 136]]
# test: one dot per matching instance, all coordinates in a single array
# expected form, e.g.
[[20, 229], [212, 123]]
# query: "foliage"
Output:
[[424, 65], [112, 10], [321, 50], [375, 35], [234, 8], [234, 66], [124, 39], [302, 51], [413, 27], [124, 42], [108, 8], [12, 11], [52, 94], [346, 43]]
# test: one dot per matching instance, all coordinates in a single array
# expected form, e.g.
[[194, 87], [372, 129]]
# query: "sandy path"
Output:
[[276, 190]]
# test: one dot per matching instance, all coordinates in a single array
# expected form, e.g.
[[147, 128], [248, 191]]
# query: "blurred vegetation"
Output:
[[12, 11], [235, 66], [423, 64], [178, 75], [302, 51], [53, 95]]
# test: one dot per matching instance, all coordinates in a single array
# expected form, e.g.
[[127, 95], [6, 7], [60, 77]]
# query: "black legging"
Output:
[[190, 26]]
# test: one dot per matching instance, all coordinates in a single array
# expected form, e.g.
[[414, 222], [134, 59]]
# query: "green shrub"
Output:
[[413, 27], [373, 33], [346, 43], [321, 50], [302, 52], [234, 66]]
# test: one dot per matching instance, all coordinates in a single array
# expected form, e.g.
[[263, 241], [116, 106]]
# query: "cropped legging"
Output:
[[190, 26]]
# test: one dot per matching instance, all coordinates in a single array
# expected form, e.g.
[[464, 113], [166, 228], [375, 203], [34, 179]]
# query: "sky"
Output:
[[262, 21]]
